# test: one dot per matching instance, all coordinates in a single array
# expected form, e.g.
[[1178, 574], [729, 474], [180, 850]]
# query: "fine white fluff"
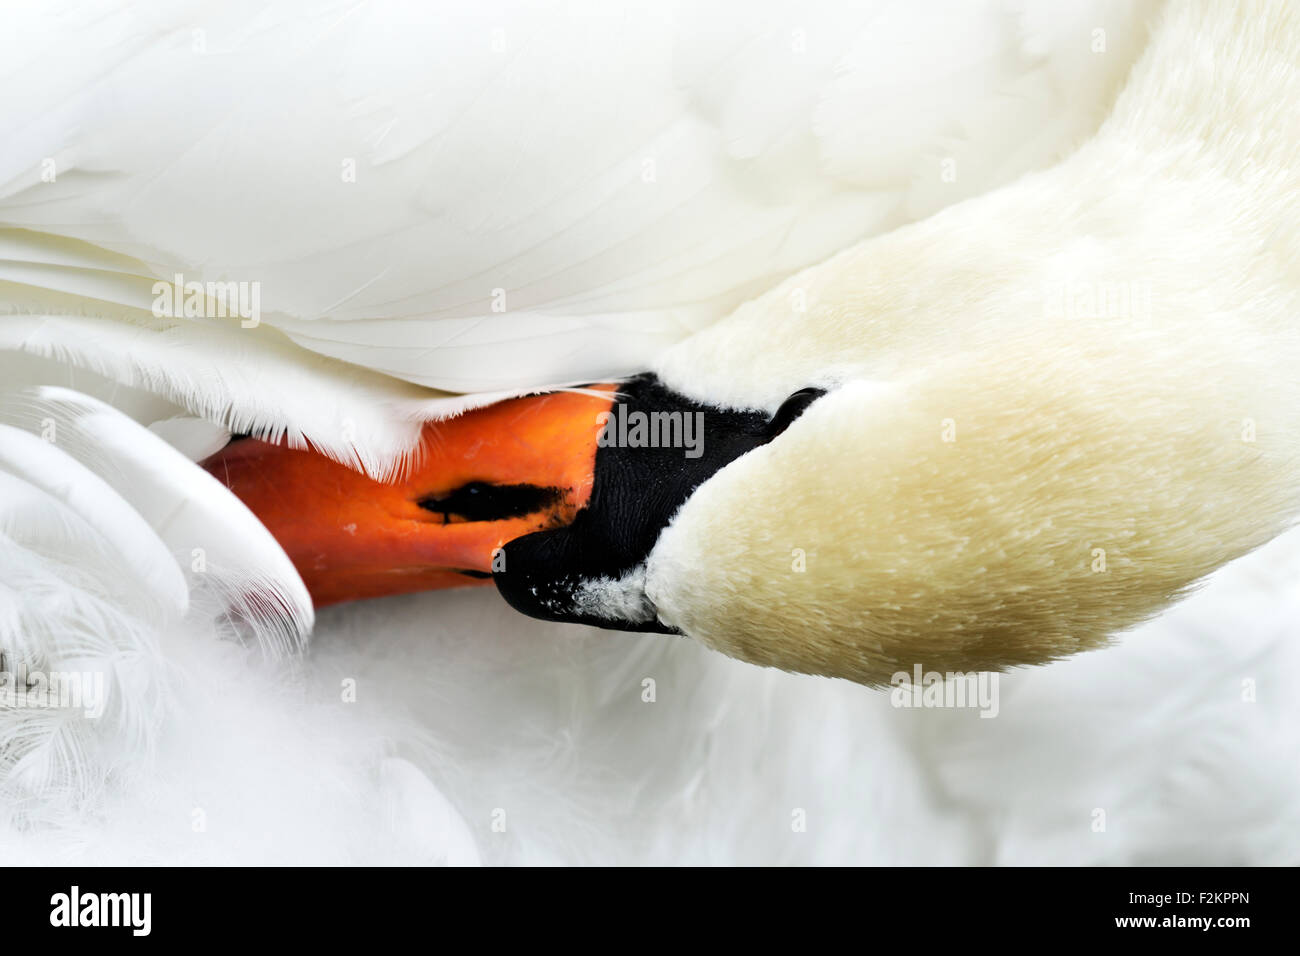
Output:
[[487, 712], [444, 728]]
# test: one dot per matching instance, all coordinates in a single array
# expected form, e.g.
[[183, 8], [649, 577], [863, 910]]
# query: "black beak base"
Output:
[[657, 447]]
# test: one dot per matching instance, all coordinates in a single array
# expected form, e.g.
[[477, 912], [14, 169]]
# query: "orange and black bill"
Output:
[[543, 495], [484, 478]]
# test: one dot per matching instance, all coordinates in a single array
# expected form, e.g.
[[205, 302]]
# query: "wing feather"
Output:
[[507, 195]]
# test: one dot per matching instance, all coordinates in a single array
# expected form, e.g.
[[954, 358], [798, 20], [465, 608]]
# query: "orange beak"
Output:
[[486, 478]]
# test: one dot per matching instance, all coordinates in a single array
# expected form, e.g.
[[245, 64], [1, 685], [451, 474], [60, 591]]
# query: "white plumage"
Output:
[[617, 177], [613, 177]]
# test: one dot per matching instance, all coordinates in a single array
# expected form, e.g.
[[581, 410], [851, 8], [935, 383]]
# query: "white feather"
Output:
[[202, 524], [91, 498], [508, 195], [268, 389]]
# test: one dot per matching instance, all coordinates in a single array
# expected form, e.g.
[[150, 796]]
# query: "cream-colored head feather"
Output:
[[1054, 408]]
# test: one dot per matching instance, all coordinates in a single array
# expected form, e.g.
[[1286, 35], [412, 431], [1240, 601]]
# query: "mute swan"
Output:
[[1023, 424], [905, 340]]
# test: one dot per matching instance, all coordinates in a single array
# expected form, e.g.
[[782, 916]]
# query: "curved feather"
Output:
[[46, 465], [224, 546], [263, 387]]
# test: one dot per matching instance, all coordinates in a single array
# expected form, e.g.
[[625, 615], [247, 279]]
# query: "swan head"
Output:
[[558, 498]]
